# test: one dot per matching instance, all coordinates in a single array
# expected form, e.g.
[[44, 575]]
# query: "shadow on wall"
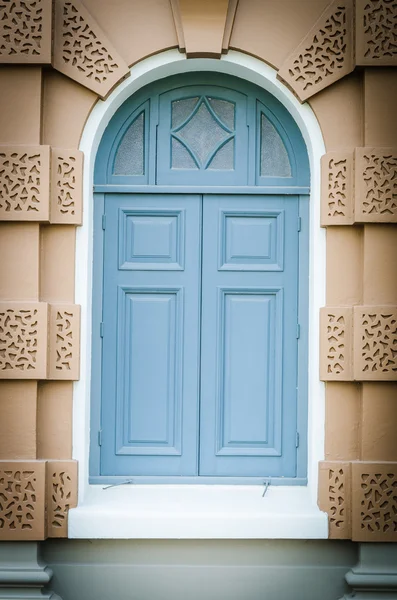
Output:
[[221, 570]]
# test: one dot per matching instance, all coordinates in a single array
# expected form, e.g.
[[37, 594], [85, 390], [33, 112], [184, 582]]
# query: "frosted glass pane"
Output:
[[181, 159], [181, 109], [274, 157], [202, 133], [224, 110], [224, 158], [130, 154]]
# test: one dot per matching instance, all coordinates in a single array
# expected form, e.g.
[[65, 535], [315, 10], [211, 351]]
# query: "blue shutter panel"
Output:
[[249, 346]]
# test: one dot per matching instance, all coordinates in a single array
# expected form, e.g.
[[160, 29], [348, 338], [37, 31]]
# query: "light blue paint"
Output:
[[199, 371]]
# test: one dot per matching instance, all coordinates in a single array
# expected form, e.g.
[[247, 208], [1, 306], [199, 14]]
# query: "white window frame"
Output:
[[198, 511]]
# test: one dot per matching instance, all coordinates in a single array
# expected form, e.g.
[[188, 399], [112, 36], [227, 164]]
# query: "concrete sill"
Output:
[[197, 512]]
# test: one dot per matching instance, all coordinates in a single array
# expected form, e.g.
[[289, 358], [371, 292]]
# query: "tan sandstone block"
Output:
[[375, 343], [54, 419], [342, 421], [64, 342], [203, 24], [376, 185], [380, 93], [344, 266], [20, 104], [378, 421], [23, 340], [380, 256], [374, 501], [24, 183], [335, 497], [18, 406], [336, 337], [337, 185], [22, 500], [82, 51], [316, 63], [19, 267], [66, 186], [61, 495], [376, 26], [57, 257]]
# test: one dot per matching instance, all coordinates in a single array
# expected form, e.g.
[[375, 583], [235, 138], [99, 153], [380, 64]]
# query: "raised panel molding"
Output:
[[66, 186], [374, 501], [61, 483], [23, 340], [376, 25], [337, 193], [376, 185], [335, 497], [22, 500], [375, 343], [82, 51], [25, 31], [24, 183], [325, 55], [64, 342], [336, 343]]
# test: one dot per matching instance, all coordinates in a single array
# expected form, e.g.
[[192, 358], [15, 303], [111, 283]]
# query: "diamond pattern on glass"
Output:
[[204, 133], [274, 156], [130, 154]]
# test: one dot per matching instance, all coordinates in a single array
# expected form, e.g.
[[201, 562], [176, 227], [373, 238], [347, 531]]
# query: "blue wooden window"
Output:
[[200, 302]]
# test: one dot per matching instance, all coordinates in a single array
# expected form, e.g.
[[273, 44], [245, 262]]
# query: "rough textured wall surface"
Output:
[[45, 100]]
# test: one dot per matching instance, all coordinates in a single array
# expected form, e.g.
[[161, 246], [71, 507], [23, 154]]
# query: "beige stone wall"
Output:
[[334, 55]]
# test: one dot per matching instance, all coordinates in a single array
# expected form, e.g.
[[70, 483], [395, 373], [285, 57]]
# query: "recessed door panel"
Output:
[[249, 346]]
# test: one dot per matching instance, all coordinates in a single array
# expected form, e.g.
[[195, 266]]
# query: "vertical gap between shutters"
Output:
[[200, 332]]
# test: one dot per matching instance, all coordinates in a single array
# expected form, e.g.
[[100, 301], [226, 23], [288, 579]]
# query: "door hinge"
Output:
[[101, 330], [297, 440], [100, 437], [104, 222], [299, 223], [298, 331]]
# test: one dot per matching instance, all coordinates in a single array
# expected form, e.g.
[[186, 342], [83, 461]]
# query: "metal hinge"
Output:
[[101, 329], [297, 440], [299, 223], [104, 222], [298, 331], [100, 437]]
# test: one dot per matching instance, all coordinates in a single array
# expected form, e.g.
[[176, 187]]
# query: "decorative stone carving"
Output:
[[81, 50], [336, 343], [22, 500], [64, 342], [376, 26], [25, 31], [66, 186], [337, 188], [325, 55], [376, 185], [375, 343], [23, 340], [374, 502], [61, 495], [24, 183], [335, 497]]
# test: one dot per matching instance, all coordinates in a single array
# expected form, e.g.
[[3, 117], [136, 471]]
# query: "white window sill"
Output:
[[197, 511]]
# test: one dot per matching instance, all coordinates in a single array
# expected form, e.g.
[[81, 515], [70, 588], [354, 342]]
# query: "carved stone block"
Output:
[[325, 55], [25, 31], [64, 342], [66, 186], [82, 51], [336, 343], [375, 343], [337, 193], [376, 26], [22, 500], [61, 495], [24, 183], [335, 497], [374, 502], [23, 340], [376, 185]]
